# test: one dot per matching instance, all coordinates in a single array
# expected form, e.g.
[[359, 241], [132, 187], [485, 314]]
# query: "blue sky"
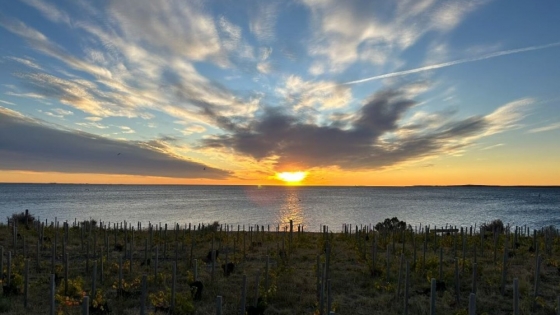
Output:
[[235, 91]]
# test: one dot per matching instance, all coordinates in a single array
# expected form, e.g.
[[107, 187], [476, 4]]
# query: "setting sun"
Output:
[[291, 177]]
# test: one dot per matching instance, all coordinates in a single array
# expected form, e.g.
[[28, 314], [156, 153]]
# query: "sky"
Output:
[[372, 92]]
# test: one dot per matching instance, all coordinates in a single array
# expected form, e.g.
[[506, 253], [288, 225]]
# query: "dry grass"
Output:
[[292, 277]]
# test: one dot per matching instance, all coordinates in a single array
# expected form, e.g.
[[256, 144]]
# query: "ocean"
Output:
[[311, 207]]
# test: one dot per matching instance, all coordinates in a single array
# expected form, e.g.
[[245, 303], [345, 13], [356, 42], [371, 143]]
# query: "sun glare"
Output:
[[291, 177]]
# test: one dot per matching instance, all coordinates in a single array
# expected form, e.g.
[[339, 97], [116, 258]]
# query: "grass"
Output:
[[358, 285]]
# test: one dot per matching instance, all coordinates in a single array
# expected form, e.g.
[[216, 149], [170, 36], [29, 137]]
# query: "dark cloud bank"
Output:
[[26, 144], [359, 145]]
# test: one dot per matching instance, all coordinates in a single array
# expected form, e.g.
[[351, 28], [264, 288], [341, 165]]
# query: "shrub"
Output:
[[161, 300], [496, 226], [98, 304], [211, 227], [391, 224], [89, 223], [23, 217], [74, 295]]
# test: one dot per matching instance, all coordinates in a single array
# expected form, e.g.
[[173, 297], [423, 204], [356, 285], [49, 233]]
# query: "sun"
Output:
[[291, 177]]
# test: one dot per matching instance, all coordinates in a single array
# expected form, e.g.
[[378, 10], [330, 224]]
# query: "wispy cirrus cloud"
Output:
[[508, 116], [80, 94], [319, 94], [130, 77], [7, 103], [375, 31], [549, 127], [181, 28], [263, 19], [26, 62], [126, 129], [232, 41], [57, 112], [50, 11], [40, 42], [191, 129], [493, 146], [92, 124], [27, 95]]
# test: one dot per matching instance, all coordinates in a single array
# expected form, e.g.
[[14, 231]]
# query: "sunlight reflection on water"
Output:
[[291, 209]]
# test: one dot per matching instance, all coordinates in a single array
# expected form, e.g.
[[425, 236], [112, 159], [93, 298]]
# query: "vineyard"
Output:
[[97, 267]]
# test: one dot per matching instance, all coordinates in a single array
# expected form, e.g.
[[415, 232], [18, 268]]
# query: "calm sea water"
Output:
[[310, 206]]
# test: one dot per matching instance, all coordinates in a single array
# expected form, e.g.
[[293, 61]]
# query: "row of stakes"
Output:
[[433, 293], [325, 285]]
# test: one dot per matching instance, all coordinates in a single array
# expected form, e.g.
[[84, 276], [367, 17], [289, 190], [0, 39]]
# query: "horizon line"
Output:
[[283, 185]]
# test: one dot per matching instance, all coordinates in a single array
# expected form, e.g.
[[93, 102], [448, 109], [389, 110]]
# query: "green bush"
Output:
[[214, 227], [89, 223], [496, 226], [391, 224], [23, 217]]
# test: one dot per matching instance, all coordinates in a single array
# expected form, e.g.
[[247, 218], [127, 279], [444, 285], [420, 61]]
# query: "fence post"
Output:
[[219, 305], [537, 276], [156, 263], [515, 296], [53, 257], [472, 304], [373, 255], [85, 305], [53, 292], [9, 267], [213, 262], [441, 263], [87, 256], [243, 296], [388, 265], [474, 276], [26, 285], [257, 280], [144, 295], [406, 288], [464, 239], [504, 270], [37, 256], [266, 275], [66, 274], [457, 283], [318, 276], [433, 297], [323, 284], [94, 280], [400, 276], [329, 298], [173, 286], [120, 276]]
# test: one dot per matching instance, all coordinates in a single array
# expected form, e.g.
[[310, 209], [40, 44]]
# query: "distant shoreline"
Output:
[[321, 186]]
